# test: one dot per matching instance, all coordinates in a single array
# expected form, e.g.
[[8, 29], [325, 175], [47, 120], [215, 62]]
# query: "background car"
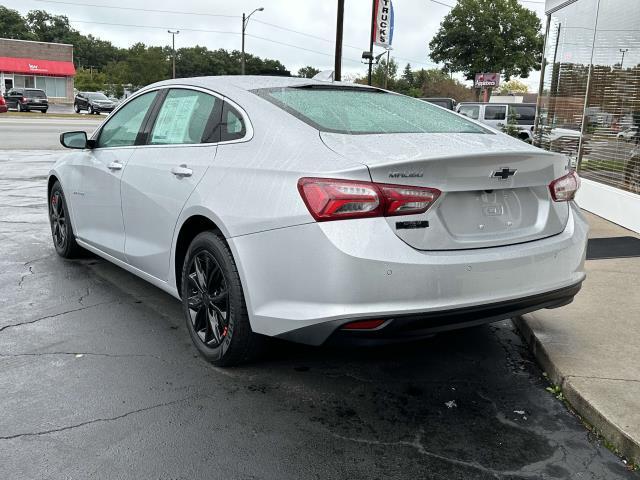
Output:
[[3, 105], [93, 102], [26, 99], [318, 212], [628, 134], [497, 115], [448, 103]]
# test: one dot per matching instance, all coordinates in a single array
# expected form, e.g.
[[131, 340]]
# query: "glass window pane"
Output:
[[232, 125], [564, 85], [471, 111], [122, 129], [492, 112], [183, 117], [610, 152], [356, 111], [61, 87], [18, 81]]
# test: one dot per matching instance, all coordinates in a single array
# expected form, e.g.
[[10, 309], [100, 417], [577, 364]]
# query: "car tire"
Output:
[[44, 111], [19, 107], [62, 234], [90, 110], [213, 303], [76, 108]]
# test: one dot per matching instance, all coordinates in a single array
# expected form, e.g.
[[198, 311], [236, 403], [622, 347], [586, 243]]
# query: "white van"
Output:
[[495, 115]]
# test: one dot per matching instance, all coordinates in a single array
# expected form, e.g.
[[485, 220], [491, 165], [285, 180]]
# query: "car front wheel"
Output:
[[64, 240], [76, 108], [213, 303], [90, 110]]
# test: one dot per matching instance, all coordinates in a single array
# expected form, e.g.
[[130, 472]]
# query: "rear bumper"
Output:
[[413, 327], [4, 109], [97, 108], [302, 283], [36, 106]]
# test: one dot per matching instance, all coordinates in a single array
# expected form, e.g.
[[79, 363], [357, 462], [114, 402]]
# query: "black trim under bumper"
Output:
[[415, 326]]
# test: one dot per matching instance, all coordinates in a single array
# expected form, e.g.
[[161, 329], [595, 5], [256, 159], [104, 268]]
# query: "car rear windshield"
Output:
[[354, 110], [96, 96], [34, 94]]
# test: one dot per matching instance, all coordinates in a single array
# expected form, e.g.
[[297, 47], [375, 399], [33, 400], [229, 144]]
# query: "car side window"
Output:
[[471, 111], [122, 129], [492, 112], [183, 117], [233, 127]]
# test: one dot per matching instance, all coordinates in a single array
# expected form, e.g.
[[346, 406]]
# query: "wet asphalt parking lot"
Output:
[[98, 379]]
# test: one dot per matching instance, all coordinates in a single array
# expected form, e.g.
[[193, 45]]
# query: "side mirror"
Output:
[[77, 140]]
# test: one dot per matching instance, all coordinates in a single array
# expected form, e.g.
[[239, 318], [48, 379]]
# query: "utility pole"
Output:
[[337, 69], [173, 48], [373, 23], [245, 21], [386, 77]]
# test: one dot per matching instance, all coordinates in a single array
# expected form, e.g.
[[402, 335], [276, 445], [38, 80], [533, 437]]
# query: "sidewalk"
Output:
[[591, 348]]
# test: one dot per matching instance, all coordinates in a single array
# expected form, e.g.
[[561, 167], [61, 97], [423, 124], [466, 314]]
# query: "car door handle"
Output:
[[182, 171], [115, 166]]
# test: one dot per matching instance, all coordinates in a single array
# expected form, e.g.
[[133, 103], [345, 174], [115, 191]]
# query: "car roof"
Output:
[[230, 84]]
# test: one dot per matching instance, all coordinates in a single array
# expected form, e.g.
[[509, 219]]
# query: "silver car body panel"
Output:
[[296, 272]]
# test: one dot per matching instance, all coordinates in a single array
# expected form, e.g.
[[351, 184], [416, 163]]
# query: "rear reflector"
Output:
[[363, 325], [334, 199], [564, 188]]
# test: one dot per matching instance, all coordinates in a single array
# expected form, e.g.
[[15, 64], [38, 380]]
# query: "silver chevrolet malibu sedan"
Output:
[[318, 212]]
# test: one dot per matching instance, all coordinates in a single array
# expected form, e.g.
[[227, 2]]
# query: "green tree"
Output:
[[12, 25], [308, 72], [407, 75], [90, 80], [512, 86], [437, 83], [147, 65], [380, 71], [489, 36]]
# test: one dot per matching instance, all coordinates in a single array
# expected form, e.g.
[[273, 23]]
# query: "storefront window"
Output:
[[612, 115], [53, 86], [565, 77], [590, 91]]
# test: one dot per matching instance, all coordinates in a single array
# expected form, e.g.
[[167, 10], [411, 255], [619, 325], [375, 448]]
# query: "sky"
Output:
[[296, 32]]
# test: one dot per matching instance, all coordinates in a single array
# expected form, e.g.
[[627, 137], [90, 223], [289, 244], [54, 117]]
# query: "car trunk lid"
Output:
[[494, 188]]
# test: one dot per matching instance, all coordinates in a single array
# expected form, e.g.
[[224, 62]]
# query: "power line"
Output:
[[187, 29], [149, 10], [182, 12]]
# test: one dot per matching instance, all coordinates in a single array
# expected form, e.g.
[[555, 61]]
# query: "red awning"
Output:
[[36, 67]]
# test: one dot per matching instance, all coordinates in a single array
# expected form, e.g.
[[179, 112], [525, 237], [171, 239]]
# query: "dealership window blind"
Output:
[[590, 97], [612, 115], [567, 58]]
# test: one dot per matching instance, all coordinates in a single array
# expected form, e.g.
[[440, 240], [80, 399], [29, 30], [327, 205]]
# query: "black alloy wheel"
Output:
[[76, 107], [208, 299], [61, 230], [213, 303]]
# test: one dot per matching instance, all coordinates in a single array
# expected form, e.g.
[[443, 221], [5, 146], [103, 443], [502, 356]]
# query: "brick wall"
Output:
[[36, 50]]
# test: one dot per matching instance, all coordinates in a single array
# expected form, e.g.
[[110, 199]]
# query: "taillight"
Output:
[[564, 188], [333, 199]]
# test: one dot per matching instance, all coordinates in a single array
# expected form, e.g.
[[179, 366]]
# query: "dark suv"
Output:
[[25, 99], [93, 102]]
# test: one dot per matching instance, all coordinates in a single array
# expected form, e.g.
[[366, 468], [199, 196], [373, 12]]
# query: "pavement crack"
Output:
[[83, 296], [84, 354], [96, 420], [417, 445], [28, 322], [25, 276]]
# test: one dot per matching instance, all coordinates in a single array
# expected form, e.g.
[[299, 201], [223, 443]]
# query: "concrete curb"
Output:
[[612, 432]]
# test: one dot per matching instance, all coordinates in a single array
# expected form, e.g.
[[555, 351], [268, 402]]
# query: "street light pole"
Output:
[[623, 51], [245, 21], [173, 48]]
